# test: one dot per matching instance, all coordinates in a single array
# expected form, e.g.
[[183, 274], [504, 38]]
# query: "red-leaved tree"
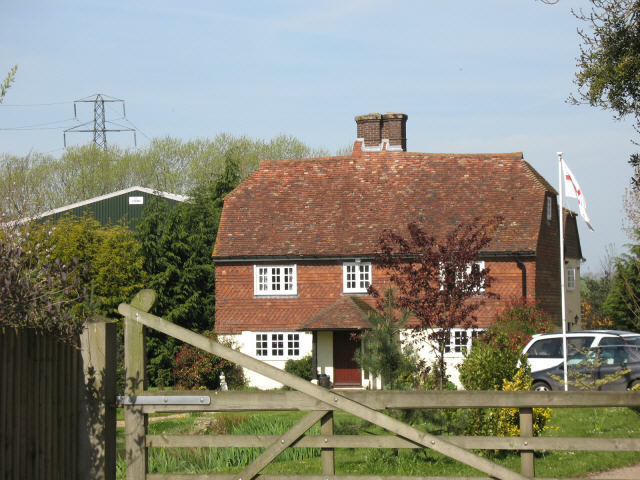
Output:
[[438, 279]]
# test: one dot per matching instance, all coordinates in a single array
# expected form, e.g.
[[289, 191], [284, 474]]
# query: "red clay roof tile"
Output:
[[340, 205]]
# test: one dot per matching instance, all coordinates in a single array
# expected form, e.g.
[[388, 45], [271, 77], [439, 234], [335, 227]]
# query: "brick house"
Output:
[[297, 240]]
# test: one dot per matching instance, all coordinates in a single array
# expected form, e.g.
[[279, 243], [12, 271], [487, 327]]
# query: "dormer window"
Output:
[[275, 280], [356, 276]]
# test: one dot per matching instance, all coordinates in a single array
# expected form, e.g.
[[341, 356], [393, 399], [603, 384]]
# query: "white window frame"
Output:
[[571, 278], [278, 345], [481, 265], [360, 269], [275, 280], [461, 341]]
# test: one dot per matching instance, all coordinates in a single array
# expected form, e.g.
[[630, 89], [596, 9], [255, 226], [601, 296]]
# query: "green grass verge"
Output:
[[584, 422]]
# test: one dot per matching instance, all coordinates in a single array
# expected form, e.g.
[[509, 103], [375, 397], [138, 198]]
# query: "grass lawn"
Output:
[[583, 422]]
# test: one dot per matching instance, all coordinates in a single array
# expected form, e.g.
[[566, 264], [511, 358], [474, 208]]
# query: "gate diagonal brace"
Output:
[[362, 411], [277, 447]]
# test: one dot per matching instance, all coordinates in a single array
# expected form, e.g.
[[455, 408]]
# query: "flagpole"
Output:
[[564, 315]]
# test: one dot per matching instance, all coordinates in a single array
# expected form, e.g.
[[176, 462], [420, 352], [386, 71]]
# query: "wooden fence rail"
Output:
[[320, 404]]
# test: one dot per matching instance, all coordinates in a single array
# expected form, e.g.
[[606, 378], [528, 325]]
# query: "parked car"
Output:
[[545, 350], [589, 367]]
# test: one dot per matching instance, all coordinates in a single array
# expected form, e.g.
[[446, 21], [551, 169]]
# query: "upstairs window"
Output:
[[571, 278], [473, 267], [549, 209], [356, 277], [275, 280]]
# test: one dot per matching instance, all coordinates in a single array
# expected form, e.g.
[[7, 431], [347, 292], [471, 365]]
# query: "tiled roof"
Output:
[[340, 205], [348, 313]]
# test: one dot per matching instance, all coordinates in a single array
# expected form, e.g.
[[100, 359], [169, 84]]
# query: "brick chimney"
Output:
[[376, 127], [394, 128], [369, 127]]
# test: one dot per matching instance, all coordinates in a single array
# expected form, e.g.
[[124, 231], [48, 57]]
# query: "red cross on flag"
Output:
[[572, 189]]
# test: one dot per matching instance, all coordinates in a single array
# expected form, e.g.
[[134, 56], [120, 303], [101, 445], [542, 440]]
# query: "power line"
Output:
[[36, 126], [34, 104]]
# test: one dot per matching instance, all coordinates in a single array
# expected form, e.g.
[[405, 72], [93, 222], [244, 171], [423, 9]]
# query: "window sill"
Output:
[[293, 295]]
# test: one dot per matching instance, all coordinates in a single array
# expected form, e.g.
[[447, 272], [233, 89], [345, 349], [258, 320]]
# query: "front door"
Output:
[[345, 369]]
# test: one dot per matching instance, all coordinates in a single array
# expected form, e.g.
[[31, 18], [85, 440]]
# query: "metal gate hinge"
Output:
[[163, 400]]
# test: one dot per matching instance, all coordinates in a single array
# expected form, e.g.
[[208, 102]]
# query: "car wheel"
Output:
[[540, 387]]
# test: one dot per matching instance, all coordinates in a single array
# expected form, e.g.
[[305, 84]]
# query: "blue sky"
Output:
[[489, 76]]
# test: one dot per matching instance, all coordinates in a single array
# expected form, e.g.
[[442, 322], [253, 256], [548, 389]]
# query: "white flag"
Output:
[[572, 189]]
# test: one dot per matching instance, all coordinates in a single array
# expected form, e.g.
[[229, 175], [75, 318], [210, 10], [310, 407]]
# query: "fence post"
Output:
[[527, 466], [327, 454], [96, 399], [134, 418]]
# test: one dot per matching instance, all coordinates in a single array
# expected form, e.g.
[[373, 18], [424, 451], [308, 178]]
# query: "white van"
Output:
[[545, 350]]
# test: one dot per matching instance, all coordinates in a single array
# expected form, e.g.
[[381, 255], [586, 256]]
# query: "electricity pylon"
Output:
[[100, 121]]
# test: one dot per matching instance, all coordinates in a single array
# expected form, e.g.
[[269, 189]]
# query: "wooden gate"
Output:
[[321, 403]]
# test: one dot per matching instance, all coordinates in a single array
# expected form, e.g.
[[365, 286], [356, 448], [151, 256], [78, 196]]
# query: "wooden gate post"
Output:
[[327, 454], [527, 466], [96, 457], [134, 417]]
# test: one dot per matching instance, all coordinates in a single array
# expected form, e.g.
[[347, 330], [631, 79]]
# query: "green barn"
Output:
[[121, 207]]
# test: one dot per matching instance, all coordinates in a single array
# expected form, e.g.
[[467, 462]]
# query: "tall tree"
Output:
[[609, 62], [438, 279], [177, 245], [622, 305]]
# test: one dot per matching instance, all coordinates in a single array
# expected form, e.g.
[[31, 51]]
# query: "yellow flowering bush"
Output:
[[508, 419]]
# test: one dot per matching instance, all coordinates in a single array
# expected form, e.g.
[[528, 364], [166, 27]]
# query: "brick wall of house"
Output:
[[548, 264], [320, 285]]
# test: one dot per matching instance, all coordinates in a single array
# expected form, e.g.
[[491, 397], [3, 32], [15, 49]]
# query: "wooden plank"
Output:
[[279, 446], [228, 476], [327, 454], [527, 466], [330, 398], [291, 400], [390, 441], [134, 417]]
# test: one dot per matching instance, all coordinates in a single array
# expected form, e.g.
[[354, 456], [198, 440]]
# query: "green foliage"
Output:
[[622, 305], [303, 368], [6, 83], [196, 369], [492, 364], [489, 363], [594, 294], [609, 61], [41, 182], [177, 244], [111, 254], [382, 354]]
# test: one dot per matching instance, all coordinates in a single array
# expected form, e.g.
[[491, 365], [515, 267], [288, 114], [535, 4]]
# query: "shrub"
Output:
[[303, 368], [489, 363], [514, 326], [508, 419], [196, 369]]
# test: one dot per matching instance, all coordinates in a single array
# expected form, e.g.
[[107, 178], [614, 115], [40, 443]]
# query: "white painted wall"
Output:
[[572, 297], [246, 343]]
